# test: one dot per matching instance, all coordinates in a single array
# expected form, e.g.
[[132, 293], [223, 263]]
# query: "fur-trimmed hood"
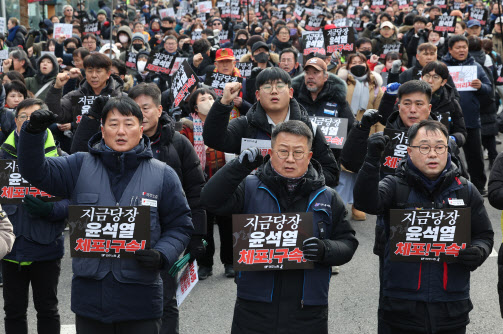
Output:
[[348, 77]]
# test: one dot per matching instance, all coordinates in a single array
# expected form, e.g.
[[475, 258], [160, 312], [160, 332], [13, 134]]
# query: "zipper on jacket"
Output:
[[303, 287]]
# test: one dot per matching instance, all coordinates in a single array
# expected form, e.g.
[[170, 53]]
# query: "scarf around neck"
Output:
[[12, 33], [199, 146], [360, 98]]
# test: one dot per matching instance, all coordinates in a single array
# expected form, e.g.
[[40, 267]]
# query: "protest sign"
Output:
[[238, 53], [314, 23], [314, 42], [163, 13], [357, 24], [271, 241], [196, 35], [429, 235], [130, 60], [91, 28], [159, 62], [335, 129], [218, 80], [339, 40], [263, 145], [204, 6], [391, 47], [377, 4], [186, 282], [445, 23], [463, 77], [298, 13], [440, 3], [351, 12], [62, 29], [278, 13], [2, 25], [395, 151], [354, 3], [108, 232], [403, 4], [479, 14], [184, 80], [4, 54], [245, 69], [15, 187], [84, 103], [176, 64], [223, 37]]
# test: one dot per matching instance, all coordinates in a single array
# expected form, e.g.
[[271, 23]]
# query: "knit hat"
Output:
[[101, 11], [140, 36]]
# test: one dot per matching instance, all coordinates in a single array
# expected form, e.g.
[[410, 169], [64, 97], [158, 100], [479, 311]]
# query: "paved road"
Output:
[[352, 301]]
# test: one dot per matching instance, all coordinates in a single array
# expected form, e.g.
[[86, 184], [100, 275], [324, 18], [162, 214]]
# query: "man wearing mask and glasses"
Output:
[[293, 301], [275, 104]]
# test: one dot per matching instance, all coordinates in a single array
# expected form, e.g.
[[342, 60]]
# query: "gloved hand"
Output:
[[313, 249], [37, 207], [149, 258], [97, 107], [251, 158], [471, 257], [395, 67], [375, 146], [392, 88], [420, 33], [369, 118], [196, 247], [40, 121]]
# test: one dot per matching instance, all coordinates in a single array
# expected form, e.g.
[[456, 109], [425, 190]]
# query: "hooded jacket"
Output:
[[36, 83], [68, 109], [332, 95], [225, 136], [470, 101], [114, 175], [267, 192]]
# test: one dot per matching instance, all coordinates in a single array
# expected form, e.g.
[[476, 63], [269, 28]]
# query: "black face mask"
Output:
[[137, 47], [261, 57], [367, 53], [358, 70], [70, 50], [241, 41]]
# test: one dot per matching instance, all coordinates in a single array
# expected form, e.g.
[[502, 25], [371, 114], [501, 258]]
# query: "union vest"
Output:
[[35, 229], [259, 285], [93, 188]]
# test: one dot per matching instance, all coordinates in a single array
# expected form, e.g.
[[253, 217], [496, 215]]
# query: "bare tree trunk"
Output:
[[24, 12]]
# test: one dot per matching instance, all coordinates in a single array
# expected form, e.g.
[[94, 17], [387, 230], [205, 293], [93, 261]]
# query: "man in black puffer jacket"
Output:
[[275, 104], [175, 150]]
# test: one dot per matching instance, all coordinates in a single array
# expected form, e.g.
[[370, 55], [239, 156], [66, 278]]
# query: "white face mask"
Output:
[[123, 38], [204, 107], [141, 65]]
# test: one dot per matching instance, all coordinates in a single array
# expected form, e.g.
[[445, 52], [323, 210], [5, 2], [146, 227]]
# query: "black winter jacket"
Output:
[[225, 136], [66, 108], [170, 147], [225, 194]]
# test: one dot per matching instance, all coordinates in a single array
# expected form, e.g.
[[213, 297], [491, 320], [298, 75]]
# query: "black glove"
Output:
[[149, 258], [196, 247], [420, 32], [313, 249], [251, 158], [371, 26], [369, 118], [40, 121], [471, 257], [97, 107], [375, 146], [37, 207]]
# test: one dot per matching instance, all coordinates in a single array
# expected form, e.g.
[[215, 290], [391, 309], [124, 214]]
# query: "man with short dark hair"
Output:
[[275, 104], [419, 297], [470, 104], [201, 60], [288, 62], [293, 301], [90, 42], [118, 168], [260, 55], [69, 107]]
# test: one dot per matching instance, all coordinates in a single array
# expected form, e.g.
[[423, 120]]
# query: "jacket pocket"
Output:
[[84, 267], [87, 198], [132, 271], [322, 223]]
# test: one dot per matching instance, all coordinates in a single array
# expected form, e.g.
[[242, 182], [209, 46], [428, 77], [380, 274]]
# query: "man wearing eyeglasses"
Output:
[[275, 104], [67, 14], [289, 301], [421, 297]]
